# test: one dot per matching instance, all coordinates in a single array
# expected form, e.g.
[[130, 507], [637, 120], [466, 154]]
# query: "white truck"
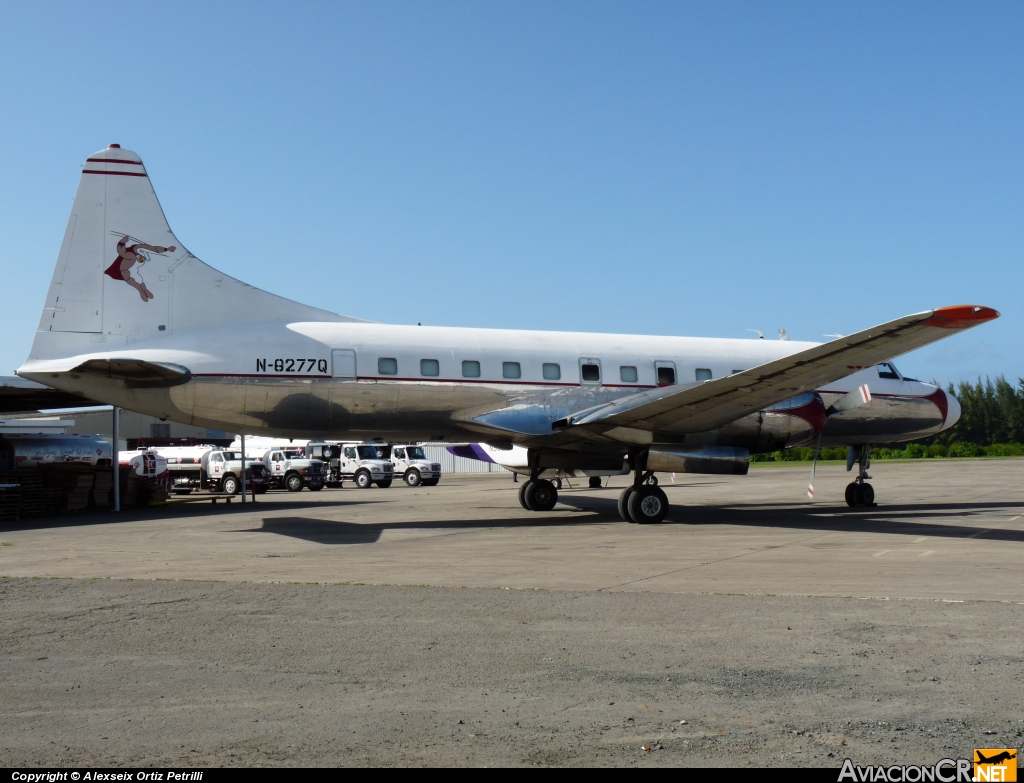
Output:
[[185, 464], [289, 467], [412, 465], [221, 471], [359, 462]]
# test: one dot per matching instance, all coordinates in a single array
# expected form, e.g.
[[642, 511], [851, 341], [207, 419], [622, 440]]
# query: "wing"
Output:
[[715, 403]]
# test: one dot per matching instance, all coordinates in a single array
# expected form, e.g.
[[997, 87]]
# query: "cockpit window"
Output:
[[888, 371]]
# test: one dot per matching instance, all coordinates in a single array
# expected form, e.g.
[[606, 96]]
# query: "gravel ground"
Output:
[[162, 672]]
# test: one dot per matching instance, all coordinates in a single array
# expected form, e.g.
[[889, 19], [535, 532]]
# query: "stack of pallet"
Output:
[[32, 503], [102, 488], [73, 482], [10, 499]]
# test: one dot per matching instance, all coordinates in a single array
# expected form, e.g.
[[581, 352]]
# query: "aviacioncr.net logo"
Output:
[[944, 771]]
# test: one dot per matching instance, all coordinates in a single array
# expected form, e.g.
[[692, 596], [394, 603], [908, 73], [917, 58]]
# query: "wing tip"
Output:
[[961, 316]]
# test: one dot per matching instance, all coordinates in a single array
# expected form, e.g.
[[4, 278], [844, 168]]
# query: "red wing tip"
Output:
[[961, 316]]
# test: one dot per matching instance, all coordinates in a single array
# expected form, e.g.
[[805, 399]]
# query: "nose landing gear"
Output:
[[858, 492]]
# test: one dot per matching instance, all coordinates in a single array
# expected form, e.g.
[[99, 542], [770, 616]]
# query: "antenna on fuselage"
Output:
[[758, 332]]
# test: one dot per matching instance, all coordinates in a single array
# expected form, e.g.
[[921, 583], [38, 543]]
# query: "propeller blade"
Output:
[[859, 396]]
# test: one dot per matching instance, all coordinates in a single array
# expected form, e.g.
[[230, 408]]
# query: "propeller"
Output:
[[859, 396]]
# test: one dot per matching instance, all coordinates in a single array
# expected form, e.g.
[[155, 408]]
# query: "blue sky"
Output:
[[661, 168]]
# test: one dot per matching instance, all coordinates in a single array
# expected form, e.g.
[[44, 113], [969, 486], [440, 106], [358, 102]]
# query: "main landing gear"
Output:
[[538, 494], [644, 502], [858, 492]]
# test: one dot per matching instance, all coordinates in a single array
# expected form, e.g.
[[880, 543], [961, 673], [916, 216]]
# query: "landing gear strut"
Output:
[[644, 502], [858, 492]]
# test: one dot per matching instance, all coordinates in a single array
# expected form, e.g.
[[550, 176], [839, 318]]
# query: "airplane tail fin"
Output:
[[122, 275]]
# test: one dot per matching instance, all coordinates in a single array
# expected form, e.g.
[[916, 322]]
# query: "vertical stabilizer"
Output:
[[122, 275]]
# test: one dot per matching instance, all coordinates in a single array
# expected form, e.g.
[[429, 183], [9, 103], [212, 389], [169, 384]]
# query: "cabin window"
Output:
[[431, 368], [888, 371], [627, 374], [470, 369], [387, 366], [667, 375], [552, 372], [590, 373], [511, 370], [703, 374]]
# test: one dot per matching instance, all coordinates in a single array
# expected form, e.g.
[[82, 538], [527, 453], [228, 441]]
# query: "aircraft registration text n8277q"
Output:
[[297, 366], [133, 319]]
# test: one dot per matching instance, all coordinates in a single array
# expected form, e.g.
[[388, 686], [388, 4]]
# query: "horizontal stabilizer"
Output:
[[18, 395], [137, 373]]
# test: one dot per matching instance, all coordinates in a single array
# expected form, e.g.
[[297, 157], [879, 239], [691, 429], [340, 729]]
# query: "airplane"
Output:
[[133, 319], [1002, 756]]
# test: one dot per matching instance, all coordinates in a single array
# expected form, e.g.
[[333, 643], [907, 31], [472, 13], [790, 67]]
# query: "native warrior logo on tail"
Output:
[[130, 255]]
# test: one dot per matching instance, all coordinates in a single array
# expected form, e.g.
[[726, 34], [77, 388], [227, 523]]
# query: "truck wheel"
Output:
[[315, 485], [412, 477], [384, 484], [363, 479], [294, 482], [261, 489], [230, 485], [430, 482]]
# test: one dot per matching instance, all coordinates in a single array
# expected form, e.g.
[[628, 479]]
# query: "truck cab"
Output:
[[290, 468], [221, 471], [359, 462], [413, 466]]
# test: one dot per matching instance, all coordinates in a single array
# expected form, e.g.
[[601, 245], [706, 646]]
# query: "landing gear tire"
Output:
[[557, 482], [384, 484], [294, 482], [540, 495], [230, 486], [867, 495], [860, 495], [522, 496], [648, 505], [595, 482], [413, 478], [363, 479], [852, 494], [627, 493]]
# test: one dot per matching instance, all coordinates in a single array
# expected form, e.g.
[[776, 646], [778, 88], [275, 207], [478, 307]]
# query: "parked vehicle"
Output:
[[412, 465], [360, 463], [185, 464], [291, 469], [221, 471]]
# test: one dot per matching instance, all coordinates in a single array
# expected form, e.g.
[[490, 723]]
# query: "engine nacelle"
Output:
[[714, 459]]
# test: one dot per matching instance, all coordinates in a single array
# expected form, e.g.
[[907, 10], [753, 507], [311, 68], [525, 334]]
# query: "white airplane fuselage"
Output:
[[324, 380]]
